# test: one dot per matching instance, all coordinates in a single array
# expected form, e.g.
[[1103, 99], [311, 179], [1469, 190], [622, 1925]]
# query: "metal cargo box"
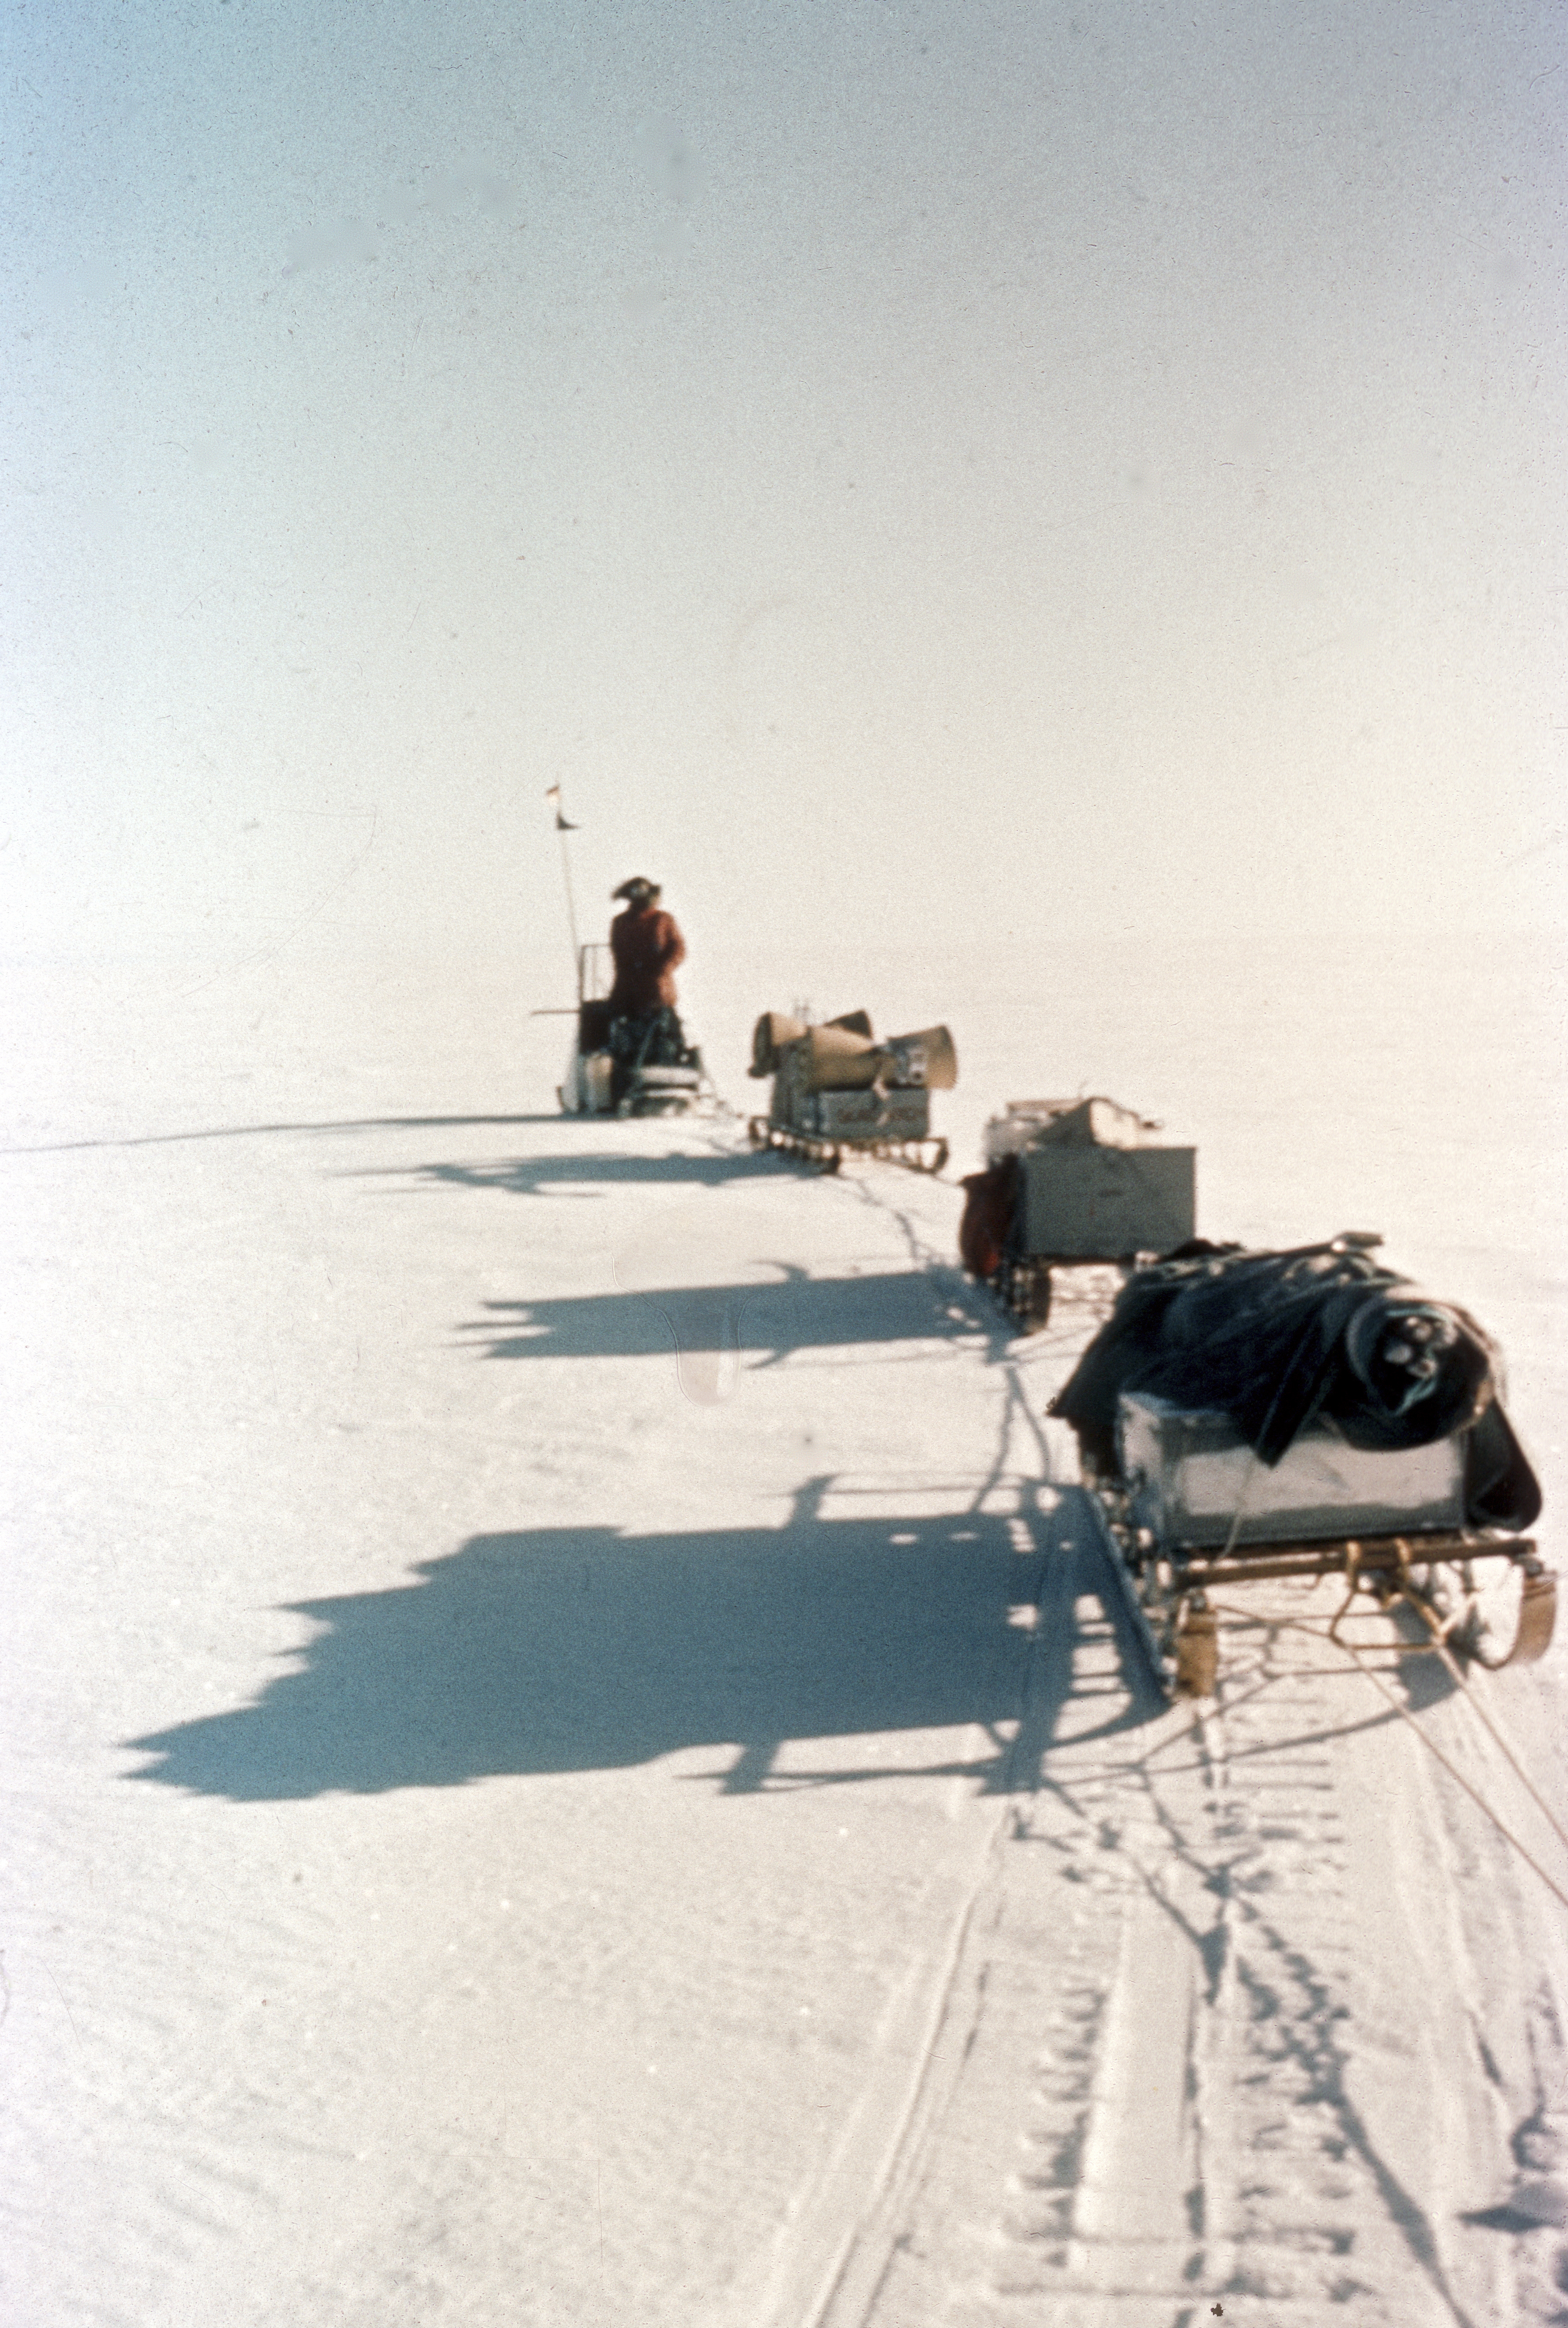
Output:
[[1084, 1202], [1188, 1471], [853, 1114]]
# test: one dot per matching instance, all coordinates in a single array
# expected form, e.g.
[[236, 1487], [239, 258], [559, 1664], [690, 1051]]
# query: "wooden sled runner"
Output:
[[891, 1141]]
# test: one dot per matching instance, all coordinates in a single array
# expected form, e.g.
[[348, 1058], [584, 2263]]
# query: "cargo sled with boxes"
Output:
[[1245, 1418], [625, 1066], [1068, 1181], [839, 1092]]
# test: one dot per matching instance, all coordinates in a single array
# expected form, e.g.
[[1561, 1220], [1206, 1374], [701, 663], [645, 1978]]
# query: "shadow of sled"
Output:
[[533, 1176], [576, 1650], [724, 1325]]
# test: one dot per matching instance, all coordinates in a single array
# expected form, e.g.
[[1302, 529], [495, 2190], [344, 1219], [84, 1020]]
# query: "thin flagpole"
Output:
[[562, 828], [571, 903]]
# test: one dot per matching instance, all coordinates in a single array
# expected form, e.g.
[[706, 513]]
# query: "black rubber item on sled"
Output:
[[1274, 1338]]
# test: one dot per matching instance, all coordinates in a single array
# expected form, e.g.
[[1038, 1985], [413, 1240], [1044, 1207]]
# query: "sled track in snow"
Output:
[[1220, 2021], [1139, 2094]]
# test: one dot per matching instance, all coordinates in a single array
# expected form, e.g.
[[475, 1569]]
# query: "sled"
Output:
[[837, 1091], [824, 1127], [1070, 1183], [1191, 1518], [1251, 1419]]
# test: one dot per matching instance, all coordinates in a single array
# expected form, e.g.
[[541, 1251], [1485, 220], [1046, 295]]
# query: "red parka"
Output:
[[647, 947]]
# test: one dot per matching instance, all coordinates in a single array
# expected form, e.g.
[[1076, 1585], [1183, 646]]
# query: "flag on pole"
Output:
[[554, 798]]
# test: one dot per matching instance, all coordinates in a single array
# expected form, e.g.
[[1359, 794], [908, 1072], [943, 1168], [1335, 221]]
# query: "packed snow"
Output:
[[573, 1757]]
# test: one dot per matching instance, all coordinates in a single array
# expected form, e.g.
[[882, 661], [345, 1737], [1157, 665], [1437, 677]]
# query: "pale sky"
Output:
[[946, 467]]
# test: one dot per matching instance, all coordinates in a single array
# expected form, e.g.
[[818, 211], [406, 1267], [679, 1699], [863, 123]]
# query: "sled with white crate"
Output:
[[1069, 1182], [1246, 1421]]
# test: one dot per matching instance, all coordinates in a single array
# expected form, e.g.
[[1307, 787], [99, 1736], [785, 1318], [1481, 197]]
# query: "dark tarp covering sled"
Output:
[[1274, 1339]]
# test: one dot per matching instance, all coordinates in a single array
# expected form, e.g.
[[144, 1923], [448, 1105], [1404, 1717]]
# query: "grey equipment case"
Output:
[[1094, 1186]]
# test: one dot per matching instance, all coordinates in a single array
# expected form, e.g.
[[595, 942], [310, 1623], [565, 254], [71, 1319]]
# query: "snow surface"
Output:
[[571, 1756]]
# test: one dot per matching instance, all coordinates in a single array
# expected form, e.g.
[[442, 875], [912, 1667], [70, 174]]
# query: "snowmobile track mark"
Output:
[[1216, 1880]]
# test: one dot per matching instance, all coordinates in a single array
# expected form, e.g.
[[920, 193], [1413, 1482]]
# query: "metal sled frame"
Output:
[[916, 1155], [1169, 1589]]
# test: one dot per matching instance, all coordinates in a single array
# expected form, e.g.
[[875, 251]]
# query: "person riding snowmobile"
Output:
[[647, 948]]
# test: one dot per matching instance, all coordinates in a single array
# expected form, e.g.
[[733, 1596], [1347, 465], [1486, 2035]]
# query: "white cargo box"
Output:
[[1188, 1471], [1084, 1202], [1079, 1122]]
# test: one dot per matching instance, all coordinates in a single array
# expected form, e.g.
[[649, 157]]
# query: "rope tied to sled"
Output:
[[1314, 1632]]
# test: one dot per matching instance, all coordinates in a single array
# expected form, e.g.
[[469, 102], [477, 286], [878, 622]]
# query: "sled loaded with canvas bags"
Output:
[[839, 1092]]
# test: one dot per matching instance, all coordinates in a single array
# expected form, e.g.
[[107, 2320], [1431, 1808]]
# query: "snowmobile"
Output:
[[627, 1067], [837, 1091], [1069, 1182], [1247, 1417]]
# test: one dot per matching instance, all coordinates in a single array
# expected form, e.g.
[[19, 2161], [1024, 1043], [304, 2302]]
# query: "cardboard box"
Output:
[[1189, 1470]]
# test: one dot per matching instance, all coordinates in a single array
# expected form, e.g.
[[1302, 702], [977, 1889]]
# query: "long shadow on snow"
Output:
[[267, 1131], [535, 1176], [773, 1321], [567, 1649]]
